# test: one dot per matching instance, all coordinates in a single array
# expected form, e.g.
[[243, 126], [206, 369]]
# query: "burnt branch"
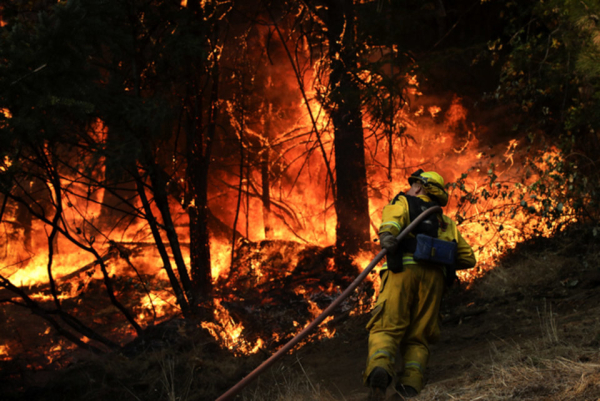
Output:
[[51, 237], [306, 101], [160, 246], [45, 314], [3, 208], [124, 254], [92, 182], [61, 228], [286, 211], [111, 293]]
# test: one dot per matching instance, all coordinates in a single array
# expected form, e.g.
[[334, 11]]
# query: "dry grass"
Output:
[[176, 387], [531, 372], [551, 363], [558, 359], [288, 383], [548, 324], [561, 362], [545, 368], [531, 270]]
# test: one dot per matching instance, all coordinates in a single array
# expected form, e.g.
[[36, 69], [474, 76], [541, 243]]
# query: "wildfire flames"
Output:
[[489, 191]]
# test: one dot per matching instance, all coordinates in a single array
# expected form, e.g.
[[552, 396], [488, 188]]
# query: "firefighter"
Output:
[[406, 312]]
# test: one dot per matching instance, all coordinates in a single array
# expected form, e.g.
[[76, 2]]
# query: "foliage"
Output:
[[550, 78], [504, 208]]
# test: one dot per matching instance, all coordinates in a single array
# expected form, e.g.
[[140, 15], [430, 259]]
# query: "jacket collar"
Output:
[[425, 198]]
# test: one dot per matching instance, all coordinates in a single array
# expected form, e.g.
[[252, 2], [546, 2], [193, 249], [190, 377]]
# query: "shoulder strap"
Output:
[[430, 225]]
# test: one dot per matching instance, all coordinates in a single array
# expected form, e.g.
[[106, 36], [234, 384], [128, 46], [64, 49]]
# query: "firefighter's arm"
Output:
[[465, 257], [394, 217]]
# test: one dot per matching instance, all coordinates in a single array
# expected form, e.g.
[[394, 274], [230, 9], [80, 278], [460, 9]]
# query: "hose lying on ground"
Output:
[[256, 372]]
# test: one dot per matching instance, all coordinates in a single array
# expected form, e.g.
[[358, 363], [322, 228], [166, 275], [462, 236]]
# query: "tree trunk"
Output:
[[199, 142], [24, 219], [120, 188], [160, 246], [266, 194], [161, 199], [351, 203], [197, 181]]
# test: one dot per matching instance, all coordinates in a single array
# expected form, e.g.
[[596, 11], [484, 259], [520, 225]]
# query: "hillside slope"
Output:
[[528, 330]]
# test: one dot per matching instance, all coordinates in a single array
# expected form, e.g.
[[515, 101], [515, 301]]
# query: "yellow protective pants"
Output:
[[406, 315]]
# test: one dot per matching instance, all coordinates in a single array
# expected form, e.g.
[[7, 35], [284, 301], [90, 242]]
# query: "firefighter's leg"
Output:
[[424, 328], [390, 318]]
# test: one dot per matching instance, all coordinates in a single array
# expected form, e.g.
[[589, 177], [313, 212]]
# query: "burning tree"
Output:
[[180, 148], [111, 113], [95, 136]]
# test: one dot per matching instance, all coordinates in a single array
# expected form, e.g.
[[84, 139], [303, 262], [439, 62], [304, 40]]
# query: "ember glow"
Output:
[[230, 333], [4, 353]]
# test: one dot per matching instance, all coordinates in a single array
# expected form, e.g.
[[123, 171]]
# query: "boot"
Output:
[[403, 393], [378, 380]]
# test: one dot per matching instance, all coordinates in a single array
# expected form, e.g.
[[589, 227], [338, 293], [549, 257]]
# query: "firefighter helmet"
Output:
[[433, 183]]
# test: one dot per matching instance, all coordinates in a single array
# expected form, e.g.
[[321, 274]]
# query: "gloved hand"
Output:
[[389, 242]]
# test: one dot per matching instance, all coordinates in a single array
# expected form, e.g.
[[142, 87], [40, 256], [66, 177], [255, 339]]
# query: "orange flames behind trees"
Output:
[[494, 190], [491, 194]]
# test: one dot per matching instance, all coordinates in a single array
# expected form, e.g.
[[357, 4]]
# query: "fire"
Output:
[[6, 112], [230, 333], [156, 305], [54, 352], [434, 110], [6, 163], [4, 352], [490, 195], [36, 272], [324, 331]]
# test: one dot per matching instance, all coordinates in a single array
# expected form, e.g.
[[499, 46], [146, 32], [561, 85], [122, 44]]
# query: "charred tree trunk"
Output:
[[119, 189], [36, 195], [197, 183], [266, 194], [351, 203], [179, 293], [199, 143], [198, 215], [24, 219], [161, 199], [265, 176]]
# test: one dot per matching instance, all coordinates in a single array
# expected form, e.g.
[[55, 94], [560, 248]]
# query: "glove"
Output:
[[389, 242]]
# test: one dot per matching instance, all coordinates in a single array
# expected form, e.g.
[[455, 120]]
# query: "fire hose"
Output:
[[256, 372]]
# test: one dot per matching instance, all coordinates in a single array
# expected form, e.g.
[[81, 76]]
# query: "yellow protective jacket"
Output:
[[395, 217], [405, 316]]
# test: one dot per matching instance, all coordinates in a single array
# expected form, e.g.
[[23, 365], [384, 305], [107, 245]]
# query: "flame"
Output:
[[4, 353], [5, 164], [230, 333], [434, 110], [490, 195]]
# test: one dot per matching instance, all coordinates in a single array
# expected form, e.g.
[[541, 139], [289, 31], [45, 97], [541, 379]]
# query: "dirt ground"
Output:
[[546, 294]]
